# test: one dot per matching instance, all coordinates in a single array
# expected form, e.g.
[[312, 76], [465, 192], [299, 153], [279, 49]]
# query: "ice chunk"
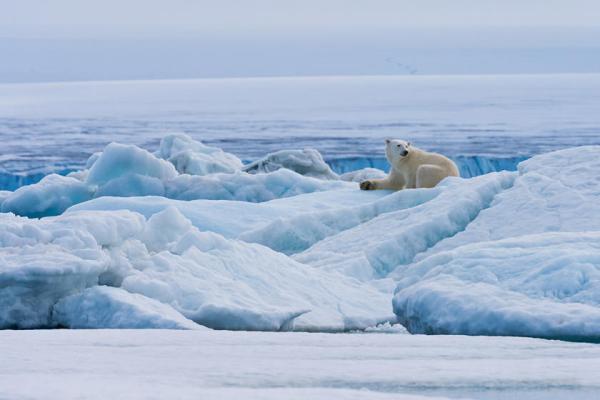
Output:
[[387, 328], [165, 228], [228, 284], [51, 196], [233, 218], [544, 285], [3, 196], [246, 187], [103, 307], [375, 248], [308, 162], [294, 233], [528, 265], [363, 175], [219, 282], [124, 171], [118, 160], [132, 185], [44, 260], [120, 170], [92, 159], [192, 157], [554, 192]]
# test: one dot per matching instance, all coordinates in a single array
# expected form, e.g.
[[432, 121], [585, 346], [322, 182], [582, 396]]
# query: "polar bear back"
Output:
[[422, 169]]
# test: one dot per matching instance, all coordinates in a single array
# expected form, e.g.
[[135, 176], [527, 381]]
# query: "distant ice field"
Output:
[[485, 122]]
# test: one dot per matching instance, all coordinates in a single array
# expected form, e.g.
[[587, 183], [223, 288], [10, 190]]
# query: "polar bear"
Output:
[[411, 168]]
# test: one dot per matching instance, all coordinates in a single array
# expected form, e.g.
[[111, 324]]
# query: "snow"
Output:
[[308, 162], [51, 196], [272, 292], [364, 253], [118, 160], [45, 260], [247, 187], [527, 265], [127, 170], [144, 364], [364, 174], [192, 157], [113, 308], [292, 234], [505, 253], [214, 281], [240, 216]]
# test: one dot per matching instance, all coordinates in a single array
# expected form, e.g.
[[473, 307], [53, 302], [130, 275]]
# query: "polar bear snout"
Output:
[[403, 153]]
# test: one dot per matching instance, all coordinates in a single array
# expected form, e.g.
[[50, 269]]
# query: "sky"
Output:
[[43, 40]]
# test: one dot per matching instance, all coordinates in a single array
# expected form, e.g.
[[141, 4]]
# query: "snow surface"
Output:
[[506, 253], [114, 308], [147, 364], [527, 265], [127, 170], [307, 162], [214, 281], [194, 158], [365, 253]]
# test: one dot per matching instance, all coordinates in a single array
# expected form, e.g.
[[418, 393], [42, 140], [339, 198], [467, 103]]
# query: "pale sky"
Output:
[[69, 40], [109, 18]]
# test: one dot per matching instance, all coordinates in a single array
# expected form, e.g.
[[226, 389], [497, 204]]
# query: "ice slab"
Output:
[[308, 162], [195, 158], [104, 307], [528, 265], [233, 218], [214, 281], [127, 170], [42, 261], [375, 248]]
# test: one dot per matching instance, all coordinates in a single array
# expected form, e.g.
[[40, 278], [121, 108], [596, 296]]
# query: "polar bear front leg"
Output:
[[379, 184]]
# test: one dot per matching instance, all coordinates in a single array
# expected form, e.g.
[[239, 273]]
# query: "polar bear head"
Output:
[[397, 150]]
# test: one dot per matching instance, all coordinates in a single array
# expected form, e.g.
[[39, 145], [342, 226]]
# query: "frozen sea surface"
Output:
[[486, 123], [131, 241], [232, 365]]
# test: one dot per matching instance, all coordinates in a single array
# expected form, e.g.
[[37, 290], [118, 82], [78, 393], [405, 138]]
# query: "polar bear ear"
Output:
[[407, 144], [387, 141]]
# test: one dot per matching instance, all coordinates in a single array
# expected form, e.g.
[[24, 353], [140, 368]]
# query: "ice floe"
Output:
[[307, 162], [195, 158], [193, 171], [140, 241], [214, 281], [113, 308], [528, 265]]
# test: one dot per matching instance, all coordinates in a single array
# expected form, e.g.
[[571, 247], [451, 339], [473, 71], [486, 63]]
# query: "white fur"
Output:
[[411, 168]]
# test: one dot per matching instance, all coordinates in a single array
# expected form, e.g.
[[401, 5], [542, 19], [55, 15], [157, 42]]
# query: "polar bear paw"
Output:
[[367, 185]]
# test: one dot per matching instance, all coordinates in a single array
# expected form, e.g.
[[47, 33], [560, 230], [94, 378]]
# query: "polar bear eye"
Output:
[[398, 145]]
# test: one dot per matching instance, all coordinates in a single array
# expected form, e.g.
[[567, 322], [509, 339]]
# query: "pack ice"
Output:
[[188, 237], [181, 169]]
